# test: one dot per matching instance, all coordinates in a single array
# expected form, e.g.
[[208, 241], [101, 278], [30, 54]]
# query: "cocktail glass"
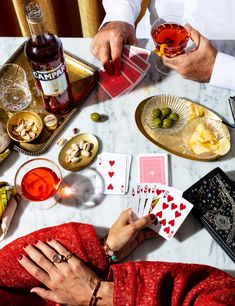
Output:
[[38, 180], [170, 38], [15, 94]]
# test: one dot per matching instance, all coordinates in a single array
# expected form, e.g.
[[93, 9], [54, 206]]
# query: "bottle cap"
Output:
[[33, 12]]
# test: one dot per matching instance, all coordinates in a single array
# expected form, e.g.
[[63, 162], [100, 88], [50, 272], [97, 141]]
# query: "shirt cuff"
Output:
[[126, 11], [223, 74]]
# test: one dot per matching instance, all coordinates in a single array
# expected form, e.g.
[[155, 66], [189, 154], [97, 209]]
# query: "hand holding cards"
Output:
[[166, 203], [134, 65]]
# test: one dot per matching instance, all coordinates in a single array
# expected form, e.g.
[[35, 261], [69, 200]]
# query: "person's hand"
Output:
[[196, 65], [69, 282], [107, 44], [126, 234]]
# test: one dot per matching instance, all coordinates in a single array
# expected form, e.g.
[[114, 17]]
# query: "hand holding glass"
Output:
[[170, 38]]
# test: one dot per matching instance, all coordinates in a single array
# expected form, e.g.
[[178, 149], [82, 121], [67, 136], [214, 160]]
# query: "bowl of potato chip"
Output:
[[206, 138]]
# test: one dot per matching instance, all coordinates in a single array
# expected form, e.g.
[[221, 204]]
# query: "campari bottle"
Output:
[[44, 52]]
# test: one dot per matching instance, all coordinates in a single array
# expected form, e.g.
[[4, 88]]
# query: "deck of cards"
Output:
[[165, 202], [134, 65], [112, 173]]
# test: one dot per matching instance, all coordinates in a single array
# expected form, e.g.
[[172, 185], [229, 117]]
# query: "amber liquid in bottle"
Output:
[[44, 52]]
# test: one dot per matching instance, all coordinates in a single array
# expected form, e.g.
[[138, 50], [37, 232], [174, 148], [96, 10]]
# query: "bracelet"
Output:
[[112, 257], [94, 297]]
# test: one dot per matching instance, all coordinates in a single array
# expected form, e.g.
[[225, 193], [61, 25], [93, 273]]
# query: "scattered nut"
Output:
[[75, 131], [61, 142], [87, 146]]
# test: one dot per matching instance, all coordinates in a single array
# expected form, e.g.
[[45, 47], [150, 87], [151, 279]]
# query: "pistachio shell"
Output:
[[81, 144], [87, 146], [75, 146], [85, 153], [75, 159]]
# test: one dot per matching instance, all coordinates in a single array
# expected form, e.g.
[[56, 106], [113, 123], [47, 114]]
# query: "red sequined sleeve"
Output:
[[173, 284]]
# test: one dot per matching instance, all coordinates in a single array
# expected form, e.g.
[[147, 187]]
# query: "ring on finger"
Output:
[[58, 258]]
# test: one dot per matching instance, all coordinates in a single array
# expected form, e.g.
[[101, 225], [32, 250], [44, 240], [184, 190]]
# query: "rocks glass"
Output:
[[15, 94]]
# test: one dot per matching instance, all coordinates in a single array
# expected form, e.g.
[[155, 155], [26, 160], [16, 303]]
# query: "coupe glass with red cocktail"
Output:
[[170, 38], [38, 180]]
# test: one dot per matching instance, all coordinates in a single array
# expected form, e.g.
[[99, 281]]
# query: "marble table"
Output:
[[119, 134]]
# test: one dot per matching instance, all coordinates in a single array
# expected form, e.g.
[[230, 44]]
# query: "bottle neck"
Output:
[[37, 29]]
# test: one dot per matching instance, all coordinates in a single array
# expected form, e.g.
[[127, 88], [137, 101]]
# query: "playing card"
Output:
[[132, 73], [143, 53], [153, 168], [137, 61], [111, 168], [114, 85], [135, 199], [128, 166], [170, 211]]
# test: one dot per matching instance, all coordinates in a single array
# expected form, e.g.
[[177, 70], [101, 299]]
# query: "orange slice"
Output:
[[161, 52]]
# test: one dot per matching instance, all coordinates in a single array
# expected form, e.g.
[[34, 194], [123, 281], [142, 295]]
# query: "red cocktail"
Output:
[[38, 180], [170, 38]]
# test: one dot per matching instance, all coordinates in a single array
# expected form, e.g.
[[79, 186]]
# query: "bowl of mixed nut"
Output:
[[78, 152], [24, 126]]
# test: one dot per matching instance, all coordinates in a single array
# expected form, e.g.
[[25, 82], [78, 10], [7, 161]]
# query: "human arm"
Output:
[[163, 283], [117, 29], [66, 280]]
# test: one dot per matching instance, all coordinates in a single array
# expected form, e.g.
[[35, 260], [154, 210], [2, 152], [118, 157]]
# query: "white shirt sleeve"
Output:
[[223, 74], [121, 10]]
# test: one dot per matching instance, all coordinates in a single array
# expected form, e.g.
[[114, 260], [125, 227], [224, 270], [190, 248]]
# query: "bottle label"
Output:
[[53, 81]]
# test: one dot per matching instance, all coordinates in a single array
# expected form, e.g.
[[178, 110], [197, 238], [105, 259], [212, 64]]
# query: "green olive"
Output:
[[174, 116], [166, 111], [96, 117], [157, 122], [157, 113], [167, 123]]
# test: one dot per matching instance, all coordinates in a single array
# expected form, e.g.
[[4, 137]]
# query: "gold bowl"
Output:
[[24, 126], [176, 104]]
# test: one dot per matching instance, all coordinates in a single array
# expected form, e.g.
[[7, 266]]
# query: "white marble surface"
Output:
[[119, 134]]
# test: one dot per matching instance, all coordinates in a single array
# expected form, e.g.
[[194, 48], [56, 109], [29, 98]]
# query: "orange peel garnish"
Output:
[[161, 52]]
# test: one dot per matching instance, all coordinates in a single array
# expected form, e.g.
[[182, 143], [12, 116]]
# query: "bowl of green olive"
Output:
[[165, 114]]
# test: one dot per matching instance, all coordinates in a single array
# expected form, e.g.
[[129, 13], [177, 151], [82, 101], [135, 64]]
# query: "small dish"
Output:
[[83, 161], [216, 128], [176, 104], [24, 126]]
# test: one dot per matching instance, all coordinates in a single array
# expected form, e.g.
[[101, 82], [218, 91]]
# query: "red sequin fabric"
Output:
[[135, 283]]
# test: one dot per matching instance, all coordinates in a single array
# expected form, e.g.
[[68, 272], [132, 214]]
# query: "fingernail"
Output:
[[36, 242], [152, 217], [25, 245], [20, 256]]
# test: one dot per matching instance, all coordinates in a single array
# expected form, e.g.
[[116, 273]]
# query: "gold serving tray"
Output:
[[175, 143], [83, 77]]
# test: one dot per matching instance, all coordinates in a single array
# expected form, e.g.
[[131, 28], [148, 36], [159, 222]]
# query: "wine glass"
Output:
[[170, 38], [38, 180]]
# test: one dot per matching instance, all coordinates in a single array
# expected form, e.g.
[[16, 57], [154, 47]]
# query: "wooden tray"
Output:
[[83, 77], [175, 143]]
